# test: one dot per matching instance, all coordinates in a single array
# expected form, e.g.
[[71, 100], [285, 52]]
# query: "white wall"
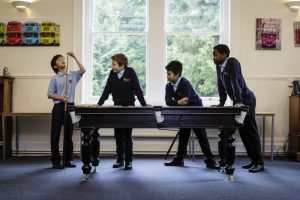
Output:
[[31, 65], [268, 73]]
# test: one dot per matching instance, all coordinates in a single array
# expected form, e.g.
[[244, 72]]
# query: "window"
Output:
[[152, 33], [116, 26], [193, 29]]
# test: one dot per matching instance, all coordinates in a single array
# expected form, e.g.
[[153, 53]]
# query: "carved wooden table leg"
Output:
[[85, 151], [95, 147]]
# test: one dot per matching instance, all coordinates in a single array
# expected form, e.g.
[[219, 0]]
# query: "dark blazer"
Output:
[[231, 82], [184, 89], [123, 90]]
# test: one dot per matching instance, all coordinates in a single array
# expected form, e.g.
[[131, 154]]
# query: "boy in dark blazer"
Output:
[[179, 92], [231, 82], [123, 84]]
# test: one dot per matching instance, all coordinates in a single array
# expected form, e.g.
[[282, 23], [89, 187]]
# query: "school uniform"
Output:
[[231, 82], [174, 92], [57, 86], [123, 86]]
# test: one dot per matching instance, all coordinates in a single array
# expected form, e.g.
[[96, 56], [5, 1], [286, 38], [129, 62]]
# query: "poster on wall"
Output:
[[268, 34], [29, 32], [297, 34]]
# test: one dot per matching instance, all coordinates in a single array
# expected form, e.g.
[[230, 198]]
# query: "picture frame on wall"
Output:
[[29, 32], [268, 34], [297, 34]]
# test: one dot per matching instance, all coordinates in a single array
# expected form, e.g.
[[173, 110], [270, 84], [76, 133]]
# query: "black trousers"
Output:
[[58, 119], [184, 136], [124, 143], [250, 137]]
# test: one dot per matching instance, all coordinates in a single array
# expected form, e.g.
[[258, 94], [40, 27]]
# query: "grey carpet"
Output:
[[32, 178]]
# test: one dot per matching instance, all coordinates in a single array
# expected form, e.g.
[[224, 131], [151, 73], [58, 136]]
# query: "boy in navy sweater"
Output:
[[179, 92], [232, 83], [123, 84]]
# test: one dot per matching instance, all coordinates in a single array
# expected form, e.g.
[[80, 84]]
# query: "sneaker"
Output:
[[175, 162], [211, 164], [248, 166], [128, 166], [57, 165], [118, 164], [70, 164], [257, 168]]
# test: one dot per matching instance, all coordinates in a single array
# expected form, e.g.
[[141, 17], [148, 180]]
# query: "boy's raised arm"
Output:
[[81, 67]]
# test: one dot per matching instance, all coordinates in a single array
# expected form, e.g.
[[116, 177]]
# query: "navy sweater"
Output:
[[231, 82], [184, 89], [123, 89]]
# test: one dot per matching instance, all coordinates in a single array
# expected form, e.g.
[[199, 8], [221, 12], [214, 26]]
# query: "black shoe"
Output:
[[57, 165], [118, 164], [211, 164], [128, 166], [248, 166], [70, 164], [175, 162], [257, 168]]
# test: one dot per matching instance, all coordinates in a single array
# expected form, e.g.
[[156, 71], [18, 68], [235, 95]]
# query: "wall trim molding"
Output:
[[33, 76], [274, 77], [150, 145], [271, 77]]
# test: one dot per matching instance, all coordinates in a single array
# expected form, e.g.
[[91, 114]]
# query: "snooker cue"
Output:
[[66, 89], [66, 113]]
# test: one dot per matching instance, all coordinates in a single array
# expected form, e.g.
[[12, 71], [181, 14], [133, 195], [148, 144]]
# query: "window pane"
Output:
[[119, 16], [106, 45], [193, 16], [195, 53]]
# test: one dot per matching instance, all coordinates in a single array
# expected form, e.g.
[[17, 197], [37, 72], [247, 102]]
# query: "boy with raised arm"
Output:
[[56, 92]]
